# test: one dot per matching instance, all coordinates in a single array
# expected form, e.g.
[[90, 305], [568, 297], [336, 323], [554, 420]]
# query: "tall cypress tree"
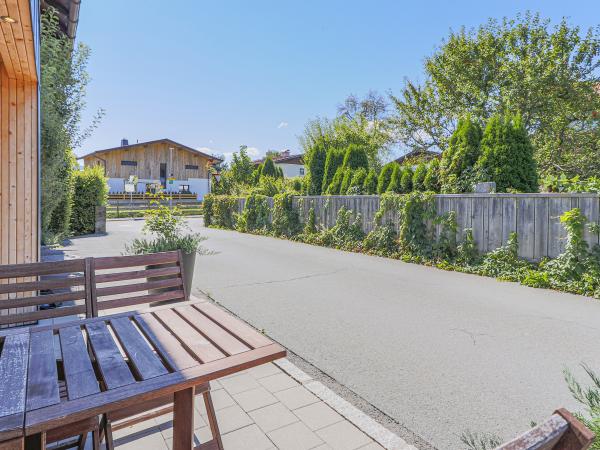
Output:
[[464, 149], [385, 176], [507, 155], [370, 184], [418, 180], [355, 158], [316, 169], [395, 180], [432, 179], [333, 160], [406, 183]]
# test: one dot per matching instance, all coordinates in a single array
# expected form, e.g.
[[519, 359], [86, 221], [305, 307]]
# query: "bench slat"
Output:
[[164, 342], [218, 335], [242, 331], [43, 314], [115, 262], [145, 361], [79, 373], [139, 300], [41, 268], [42, 299], [42, 285], [113, 367], [191, 339], [13, 374], [127, 288], [42, 384], [134, 274]]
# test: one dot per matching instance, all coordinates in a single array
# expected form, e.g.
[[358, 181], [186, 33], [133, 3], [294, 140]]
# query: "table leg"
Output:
[[183, 420]]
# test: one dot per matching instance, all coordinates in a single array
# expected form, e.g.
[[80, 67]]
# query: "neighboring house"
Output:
[[418, 156], [19, 125], [175, 167], [291, 165]]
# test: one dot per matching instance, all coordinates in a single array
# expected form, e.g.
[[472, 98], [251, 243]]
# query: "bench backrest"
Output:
[[25, 287], [120, 281], [562, 431], [88, 286]]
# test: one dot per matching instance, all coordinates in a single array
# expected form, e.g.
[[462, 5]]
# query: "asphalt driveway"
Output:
[[440, 352]]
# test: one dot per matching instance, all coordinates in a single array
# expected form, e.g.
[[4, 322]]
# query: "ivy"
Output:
[[256, 214], [286, 220]]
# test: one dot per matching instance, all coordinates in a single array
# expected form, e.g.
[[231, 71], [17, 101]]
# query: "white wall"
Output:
[[291, 170]]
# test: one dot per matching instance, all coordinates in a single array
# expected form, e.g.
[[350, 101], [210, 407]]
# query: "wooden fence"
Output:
[[492, 217]]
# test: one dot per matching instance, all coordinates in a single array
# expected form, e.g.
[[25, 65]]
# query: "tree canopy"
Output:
[[548, 74]]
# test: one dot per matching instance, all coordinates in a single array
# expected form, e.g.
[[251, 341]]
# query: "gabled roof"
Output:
[[287, 159], [165, 140]]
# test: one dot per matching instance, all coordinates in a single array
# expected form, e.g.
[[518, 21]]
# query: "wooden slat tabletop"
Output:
[[137, 355], [13, 383]]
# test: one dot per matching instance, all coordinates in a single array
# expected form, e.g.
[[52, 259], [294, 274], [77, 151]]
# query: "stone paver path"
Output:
[[261, 408]]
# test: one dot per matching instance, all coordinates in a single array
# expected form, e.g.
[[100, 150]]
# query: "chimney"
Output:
[[124, 142]]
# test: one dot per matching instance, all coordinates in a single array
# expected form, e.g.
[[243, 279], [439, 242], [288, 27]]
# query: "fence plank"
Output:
[[526, 226], [556, 231], [540, 238]]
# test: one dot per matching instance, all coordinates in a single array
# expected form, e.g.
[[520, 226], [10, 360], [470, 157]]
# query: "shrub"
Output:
[[316, 169], [382, 240], [345, 181], [220, 210], [346, 233], [355, 158], [268, 169], [462, 153], [286, 221], [370, 184], [256, 214], [415, 237], [395, 185], [467, 252], [589, 397], [406, 180], [504, 262], [507, 156], [268, 186], [432, 178], [207, 209], [336, 182], [418, 179], [333, 161], [90, 190], [385, 176], [356, 183], [310, 227], [446, 245]]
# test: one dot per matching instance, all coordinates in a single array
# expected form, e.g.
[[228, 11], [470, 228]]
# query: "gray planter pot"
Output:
[[188, 261]]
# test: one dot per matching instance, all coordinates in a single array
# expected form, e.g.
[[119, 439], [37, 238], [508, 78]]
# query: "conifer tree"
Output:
[[333, 160], [370, 184], [385, 176], [406, 184], [432, 179], [418, 180], [464, 149]]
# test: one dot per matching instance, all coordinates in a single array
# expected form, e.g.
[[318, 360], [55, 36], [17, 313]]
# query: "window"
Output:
[[184, 188], [301, 170], [191, 167], [129, 163]]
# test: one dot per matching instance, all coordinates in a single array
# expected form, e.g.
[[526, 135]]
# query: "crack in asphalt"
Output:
[[285, 280], [469, 333]]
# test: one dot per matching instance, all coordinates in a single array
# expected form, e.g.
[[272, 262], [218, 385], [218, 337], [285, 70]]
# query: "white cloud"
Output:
[[282, 125], [253, 153]]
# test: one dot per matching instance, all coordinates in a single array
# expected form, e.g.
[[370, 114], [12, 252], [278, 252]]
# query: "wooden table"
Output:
[[139, 356]]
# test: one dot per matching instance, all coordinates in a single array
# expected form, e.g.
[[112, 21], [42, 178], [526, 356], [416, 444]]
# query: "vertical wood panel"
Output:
[[509, 217], [556, 231], [540, 246], [495, 221], [526, 226], [589, 208]]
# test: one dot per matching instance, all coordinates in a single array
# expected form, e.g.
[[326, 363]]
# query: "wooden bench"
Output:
[[30, 293], [562, 431]]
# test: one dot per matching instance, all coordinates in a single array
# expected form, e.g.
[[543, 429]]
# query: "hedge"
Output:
[[90, 190]]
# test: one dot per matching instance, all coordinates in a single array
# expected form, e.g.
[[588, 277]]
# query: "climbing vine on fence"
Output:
[[404, 228]]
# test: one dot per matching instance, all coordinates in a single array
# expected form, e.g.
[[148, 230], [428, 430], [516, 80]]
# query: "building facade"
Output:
[[174, 167]]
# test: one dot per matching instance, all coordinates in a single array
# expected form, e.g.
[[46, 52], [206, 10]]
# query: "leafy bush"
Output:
[[446, 247], [220, 211], [432, 178], [383, 240], [418, 179], [346, 233], [310, 227], [562, 183], [385, 176], [463, 151], [467, 252], [90, 190], [286, 221], [504, 262], [406, 180], [415, 237], [256, 214], [189, 243], [507, 155], [370, 184]]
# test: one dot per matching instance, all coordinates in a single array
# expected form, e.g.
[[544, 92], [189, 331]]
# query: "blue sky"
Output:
[[215, 75]]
